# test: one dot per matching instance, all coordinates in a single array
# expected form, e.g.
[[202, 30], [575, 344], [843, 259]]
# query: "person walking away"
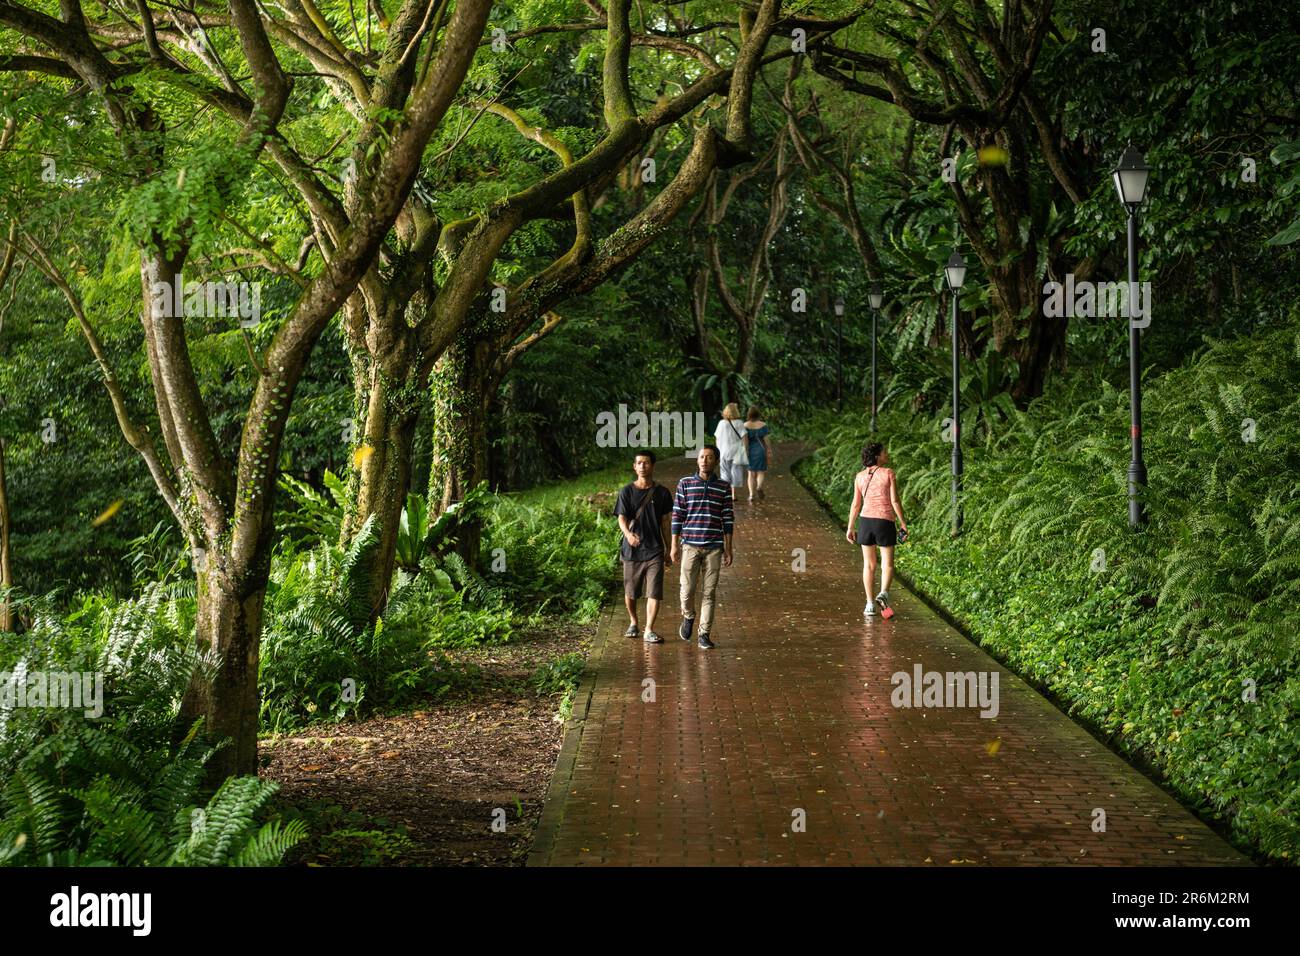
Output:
[[875, 497], [644, 510], [730, 436], [760, 451], [702, 525]]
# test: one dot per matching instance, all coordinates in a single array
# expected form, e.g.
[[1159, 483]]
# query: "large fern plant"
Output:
[[113, 789]]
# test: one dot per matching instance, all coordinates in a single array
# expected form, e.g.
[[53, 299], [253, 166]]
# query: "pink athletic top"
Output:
[[878, 485]]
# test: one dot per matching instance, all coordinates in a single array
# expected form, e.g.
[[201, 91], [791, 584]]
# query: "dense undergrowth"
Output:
[[116, 788], [1180, 643]]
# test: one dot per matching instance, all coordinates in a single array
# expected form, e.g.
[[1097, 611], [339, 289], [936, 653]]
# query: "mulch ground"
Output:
[[438, 773]]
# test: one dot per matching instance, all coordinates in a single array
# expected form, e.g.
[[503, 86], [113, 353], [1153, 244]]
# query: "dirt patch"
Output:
[[439, 775]]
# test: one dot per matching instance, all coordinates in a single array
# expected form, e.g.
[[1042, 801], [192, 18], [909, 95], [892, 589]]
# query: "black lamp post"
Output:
[[875, 297], [1131, 183], [839, 353], [956, 275]]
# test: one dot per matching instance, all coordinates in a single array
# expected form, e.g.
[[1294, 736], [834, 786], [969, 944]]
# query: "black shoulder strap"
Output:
[[645, 500]]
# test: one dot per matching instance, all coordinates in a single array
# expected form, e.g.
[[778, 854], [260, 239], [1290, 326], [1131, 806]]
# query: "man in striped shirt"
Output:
[[701, 526]]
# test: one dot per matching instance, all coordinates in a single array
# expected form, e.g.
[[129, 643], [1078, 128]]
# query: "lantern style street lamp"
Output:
[[1131, 175], [876, 297], [955, 271]]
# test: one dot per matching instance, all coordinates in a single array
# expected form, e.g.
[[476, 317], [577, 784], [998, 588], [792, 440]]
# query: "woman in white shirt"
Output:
[[732, 443]]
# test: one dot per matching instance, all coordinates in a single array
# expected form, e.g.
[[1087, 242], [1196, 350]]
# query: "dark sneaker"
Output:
[[632, 631], [684, 632], [705, 643], [652, 638], [882, 602]]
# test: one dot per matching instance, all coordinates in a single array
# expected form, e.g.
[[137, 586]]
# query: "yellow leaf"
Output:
[[993, 156], [361, 455], [993, 746], [107, 513]]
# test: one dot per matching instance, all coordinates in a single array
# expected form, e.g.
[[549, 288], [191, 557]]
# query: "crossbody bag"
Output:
[[902, 535], [738, 450]]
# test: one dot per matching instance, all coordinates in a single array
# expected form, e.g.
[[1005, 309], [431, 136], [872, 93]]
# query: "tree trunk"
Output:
[[384, 477], [1016, 290], [462, 385], [229, 621], [745, 336], [6, 569]]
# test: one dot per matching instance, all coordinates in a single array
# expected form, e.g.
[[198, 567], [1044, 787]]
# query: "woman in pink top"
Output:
[[875, 499]]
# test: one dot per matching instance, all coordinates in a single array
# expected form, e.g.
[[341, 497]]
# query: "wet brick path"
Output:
[[789, 721]]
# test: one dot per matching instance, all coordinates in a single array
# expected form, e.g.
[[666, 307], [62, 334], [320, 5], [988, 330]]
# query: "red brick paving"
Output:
[[792, 712]]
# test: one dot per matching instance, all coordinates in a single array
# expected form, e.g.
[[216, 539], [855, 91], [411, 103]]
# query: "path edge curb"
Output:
[[553, 805]]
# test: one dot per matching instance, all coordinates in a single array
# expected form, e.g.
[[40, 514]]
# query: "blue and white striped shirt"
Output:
[[702, 511]]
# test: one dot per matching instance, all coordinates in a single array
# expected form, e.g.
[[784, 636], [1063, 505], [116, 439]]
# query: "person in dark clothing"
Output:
[[644, 509]]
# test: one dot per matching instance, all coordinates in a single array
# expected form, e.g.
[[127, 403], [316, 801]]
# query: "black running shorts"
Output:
[[877, 531]]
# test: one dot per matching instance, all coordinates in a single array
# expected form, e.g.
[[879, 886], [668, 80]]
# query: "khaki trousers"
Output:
[[694, 561]]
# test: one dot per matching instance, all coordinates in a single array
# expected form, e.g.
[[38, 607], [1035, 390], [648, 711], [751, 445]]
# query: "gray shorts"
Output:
[[644, 578]]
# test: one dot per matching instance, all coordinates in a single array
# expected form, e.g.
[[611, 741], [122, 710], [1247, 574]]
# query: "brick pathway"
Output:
[[790, 718]]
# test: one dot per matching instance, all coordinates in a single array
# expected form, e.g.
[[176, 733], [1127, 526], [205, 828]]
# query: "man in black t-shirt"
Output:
[[644, 510]]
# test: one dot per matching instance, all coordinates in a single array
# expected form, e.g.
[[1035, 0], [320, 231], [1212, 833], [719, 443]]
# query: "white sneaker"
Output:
[[869, 610]]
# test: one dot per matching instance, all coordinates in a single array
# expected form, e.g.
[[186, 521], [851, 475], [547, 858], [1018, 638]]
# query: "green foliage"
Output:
[[112, 789], [312, 512], [322, 659], [559, 676], [1153, 637], [158, 556], [1289, 191], [342, 837], [562, 676], [320, 656], [418, 537], [563, 557], [412, 532]]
